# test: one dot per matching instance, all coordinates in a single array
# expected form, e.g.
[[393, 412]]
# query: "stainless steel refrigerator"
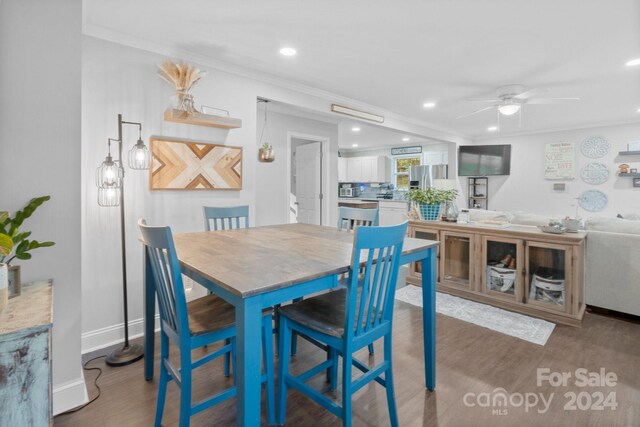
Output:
[[423, 176]]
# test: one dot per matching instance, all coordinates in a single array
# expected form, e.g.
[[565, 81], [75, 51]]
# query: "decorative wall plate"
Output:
[[593, 200], [594, 147], [595, 173]]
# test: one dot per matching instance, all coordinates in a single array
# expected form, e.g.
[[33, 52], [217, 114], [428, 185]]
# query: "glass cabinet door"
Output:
[[503, 262], [456, 260], [416, 267], [548, 271]]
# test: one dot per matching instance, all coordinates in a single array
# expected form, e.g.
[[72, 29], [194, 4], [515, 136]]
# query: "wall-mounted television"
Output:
[[484, 160]]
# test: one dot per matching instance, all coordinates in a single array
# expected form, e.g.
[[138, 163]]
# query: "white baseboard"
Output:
[[69, 395], [114, 334]]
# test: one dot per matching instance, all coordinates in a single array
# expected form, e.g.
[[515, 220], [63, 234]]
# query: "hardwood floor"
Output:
[[472, 362]]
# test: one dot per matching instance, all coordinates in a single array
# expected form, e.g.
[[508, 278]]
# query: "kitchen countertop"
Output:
[[344, 199]]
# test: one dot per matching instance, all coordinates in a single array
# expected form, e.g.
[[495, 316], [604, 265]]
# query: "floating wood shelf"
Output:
[[199, 119], [629, 175], [629, 153]]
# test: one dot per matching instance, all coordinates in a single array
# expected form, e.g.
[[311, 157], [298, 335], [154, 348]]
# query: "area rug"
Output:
[[527, 328]]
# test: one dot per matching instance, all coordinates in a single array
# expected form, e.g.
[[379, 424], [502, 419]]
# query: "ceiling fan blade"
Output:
[[476, 112], [531, 93], [482, 100], [551, 100]]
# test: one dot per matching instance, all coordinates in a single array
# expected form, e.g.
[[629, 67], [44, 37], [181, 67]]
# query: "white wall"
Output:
[[40, 154], [272, 199], [527, 190]]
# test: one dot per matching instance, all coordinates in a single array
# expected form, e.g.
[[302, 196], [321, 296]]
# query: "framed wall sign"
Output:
[[406, 150], [178, 164], [559, 160]]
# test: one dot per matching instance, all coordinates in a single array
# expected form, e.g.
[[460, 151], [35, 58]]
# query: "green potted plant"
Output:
[[14, 243], [429, 201], [6, 246]]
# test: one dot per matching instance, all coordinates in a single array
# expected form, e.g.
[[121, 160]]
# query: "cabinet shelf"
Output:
[[629, 153], [200, 119], [629, 175]]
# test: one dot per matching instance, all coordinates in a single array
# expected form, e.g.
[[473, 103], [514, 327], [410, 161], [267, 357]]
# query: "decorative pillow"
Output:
[[524, 218], [484, 215], [613, 225]]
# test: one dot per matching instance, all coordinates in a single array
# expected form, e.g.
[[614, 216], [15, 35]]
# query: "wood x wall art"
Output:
[[190, 165]]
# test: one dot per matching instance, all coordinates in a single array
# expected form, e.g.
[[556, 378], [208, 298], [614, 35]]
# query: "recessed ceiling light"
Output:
[[405, 139], [354, 145], [355, 129], [288, 51], [638, 110], [429, 104], [492, 128], [633, 62]]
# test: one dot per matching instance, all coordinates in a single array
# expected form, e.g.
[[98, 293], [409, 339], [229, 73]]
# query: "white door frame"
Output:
[[327, 190]]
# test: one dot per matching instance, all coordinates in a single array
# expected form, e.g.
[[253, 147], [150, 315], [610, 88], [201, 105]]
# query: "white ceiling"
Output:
[[397, 55]]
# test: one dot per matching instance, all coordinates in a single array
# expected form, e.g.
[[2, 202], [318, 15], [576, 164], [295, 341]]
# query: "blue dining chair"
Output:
[[350, 218], [226, 218], [356, 217], [347, 320], [193, 325]]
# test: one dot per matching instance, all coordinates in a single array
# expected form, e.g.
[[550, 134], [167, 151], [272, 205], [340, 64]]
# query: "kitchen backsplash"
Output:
[[371, 191]]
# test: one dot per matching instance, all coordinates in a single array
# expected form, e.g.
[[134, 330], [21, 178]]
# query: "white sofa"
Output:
[[612, 265]]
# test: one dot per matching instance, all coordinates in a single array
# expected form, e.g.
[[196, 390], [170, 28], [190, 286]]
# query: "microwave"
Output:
[[346, 191]]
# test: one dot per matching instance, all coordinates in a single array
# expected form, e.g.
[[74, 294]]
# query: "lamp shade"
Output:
[[139, 156], [109, 174], [109, 196]]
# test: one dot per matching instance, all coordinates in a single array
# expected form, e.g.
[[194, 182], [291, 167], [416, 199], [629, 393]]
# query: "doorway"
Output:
[[307, 178]]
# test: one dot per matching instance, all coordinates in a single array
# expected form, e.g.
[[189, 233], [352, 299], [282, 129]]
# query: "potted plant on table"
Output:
[[429, 201], [15, 244], [6, 246]]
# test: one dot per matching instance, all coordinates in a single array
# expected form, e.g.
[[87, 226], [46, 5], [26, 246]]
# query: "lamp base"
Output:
[[125, 355]]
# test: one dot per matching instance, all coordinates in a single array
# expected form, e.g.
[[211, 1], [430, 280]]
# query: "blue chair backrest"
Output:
[[226, 218], [355, 217], [380, 248], [167, 275]]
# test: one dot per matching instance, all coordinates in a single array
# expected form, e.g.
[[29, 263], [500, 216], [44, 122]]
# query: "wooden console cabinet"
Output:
[[518, 268]]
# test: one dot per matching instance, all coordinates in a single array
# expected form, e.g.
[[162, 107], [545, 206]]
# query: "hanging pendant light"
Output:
[[265, 150], [109, 173], [139, 156], [109, 196]]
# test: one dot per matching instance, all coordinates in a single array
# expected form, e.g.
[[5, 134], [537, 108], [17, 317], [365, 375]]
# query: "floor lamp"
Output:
[[110, 182]]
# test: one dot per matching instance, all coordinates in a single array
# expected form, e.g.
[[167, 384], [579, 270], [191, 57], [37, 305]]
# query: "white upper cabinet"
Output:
[[364, 169]]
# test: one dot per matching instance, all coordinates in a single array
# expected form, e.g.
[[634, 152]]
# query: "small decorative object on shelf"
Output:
[[266, 154], [182, 76], [623, 168], [595, 147], [450, 212], [429, 201], [15, 244]]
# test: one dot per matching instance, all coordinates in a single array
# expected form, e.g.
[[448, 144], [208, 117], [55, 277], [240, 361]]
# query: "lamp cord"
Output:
[[95, 383]]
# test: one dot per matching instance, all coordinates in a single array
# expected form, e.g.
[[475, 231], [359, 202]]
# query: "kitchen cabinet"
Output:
[[518, 268], [364, 169], [392, 212], [342, 169]]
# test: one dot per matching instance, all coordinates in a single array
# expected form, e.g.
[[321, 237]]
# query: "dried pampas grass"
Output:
[[183, 76]]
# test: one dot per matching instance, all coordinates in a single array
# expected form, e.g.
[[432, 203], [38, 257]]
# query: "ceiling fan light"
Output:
[[509, 109]]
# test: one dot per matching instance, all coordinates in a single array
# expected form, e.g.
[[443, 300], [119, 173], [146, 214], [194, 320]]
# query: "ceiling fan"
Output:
[[510, 99]]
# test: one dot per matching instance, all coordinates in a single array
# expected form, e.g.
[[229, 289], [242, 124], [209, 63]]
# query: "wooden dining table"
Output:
[[260, 267]]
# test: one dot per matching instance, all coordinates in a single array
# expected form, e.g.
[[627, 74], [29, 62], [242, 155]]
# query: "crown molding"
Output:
[[435, 131], [558, 130]]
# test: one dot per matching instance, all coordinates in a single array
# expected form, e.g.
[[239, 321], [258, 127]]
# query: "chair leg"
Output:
[[164, 378], [267, 338], [346, 389], [233, 359], [388, 378], [185, 387], [332, 372], [371, 349], [294, 336], [227, 358], [284, 343]]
